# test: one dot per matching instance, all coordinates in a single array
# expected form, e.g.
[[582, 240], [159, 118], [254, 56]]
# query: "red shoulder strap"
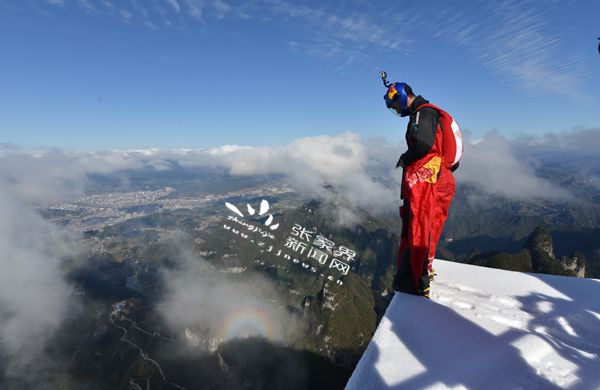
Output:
[[432, 106]]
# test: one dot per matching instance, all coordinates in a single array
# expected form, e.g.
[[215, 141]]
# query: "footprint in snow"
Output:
[[469, 290], [443, 298], [463, 305], [506, 302], [510, 322]]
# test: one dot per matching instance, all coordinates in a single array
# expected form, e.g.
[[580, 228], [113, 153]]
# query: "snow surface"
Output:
[[487, 329]]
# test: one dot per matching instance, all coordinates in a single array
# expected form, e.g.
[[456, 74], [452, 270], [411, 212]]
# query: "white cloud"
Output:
[[143, 12], [200, 298], [312, 163], [59, 3], [221, 8], [174, 4], [493, 167], [34, 294], [108, 4], [519, 41], [225, 149], [309, 164], [360, 172], [87, 5], [195, 8], [53, 175], [327, 49], [35, 297], [334, 34], [125, 14], [576, 139]]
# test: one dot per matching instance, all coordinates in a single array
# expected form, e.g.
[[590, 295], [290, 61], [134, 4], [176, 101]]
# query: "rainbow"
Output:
[[249, 321]]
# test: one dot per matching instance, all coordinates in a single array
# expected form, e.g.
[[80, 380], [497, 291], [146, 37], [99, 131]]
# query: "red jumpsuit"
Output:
[[444, 189], [427, 190]]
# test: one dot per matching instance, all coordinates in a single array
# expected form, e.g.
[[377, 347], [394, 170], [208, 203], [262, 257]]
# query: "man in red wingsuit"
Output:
[[434, 150]]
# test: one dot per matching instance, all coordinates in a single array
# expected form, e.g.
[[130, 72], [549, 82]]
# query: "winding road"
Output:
[[116, 313]]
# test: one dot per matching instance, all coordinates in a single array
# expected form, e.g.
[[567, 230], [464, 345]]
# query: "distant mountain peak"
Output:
[[541, 240], [543, 259], [537, 256], [575, 264]]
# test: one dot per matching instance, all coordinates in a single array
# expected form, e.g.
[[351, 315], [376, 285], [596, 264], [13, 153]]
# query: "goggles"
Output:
[[395, 107], [396, 99]]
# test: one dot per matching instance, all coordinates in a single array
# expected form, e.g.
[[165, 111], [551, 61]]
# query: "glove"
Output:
[[400, 163]]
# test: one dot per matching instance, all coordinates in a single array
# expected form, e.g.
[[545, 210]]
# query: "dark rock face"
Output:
[[542, 253], [541, 241], [519, 262], [536, 256]]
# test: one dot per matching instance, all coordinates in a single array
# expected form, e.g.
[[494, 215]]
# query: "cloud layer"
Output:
[[34, 295], [200, 300], [361, 171], [312, 163], [492, 165]]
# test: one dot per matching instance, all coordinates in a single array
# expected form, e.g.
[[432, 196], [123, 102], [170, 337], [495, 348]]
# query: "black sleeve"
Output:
[[422, 135]]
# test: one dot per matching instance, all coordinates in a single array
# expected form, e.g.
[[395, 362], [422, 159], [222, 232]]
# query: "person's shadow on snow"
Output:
[[571, 326], [455, 351]]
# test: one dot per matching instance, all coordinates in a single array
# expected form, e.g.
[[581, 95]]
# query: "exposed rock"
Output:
[[536, 256], [575, 264], [543, 261], [306, 304], [541, 240]]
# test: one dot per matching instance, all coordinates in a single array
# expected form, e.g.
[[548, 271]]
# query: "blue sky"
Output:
[[104, 74]]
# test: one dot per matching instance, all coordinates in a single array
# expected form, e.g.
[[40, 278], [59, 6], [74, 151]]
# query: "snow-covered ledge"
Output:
[[487, 329]]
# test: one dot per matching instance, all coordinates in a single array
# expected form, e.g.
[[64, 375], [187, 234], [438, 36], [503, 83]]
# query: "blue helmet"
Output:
[[396, 98]]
